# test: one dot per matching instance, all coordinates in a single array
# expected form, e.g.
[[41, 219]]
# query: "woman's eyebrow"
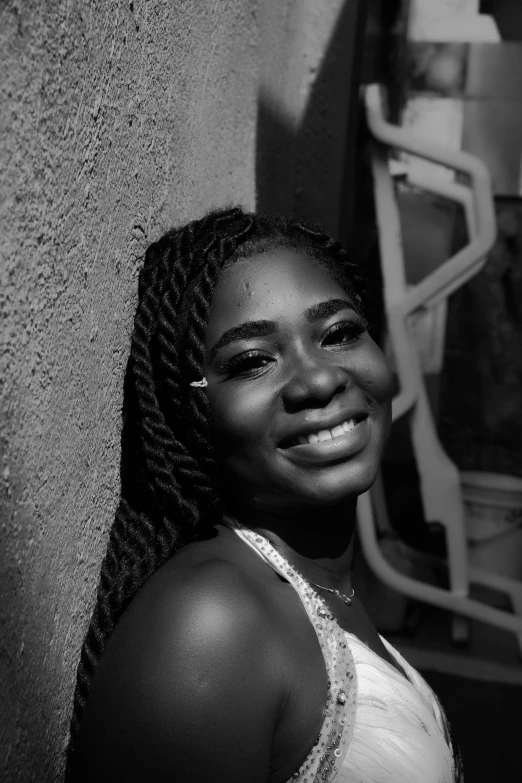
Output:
[[251, 329], [245, 331], [324, 309]]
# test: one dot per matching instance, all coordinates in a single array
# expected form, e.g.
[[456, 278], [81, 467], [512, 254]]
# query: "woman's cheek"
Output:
[[237, 417]]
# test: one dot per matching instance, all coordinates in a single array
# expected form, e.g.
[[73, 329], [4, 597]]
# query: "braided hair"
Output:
[[170, 491]]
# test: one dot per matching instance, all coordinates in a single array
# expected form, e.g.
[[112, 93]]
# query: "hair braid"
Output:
[[169, 476], [198, 407], [158, 440]]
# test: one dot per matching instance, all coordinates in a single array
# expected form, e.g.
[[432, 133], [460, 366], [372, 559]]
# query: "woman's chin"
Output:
[[323, 487], [345, 482], [328, 492]]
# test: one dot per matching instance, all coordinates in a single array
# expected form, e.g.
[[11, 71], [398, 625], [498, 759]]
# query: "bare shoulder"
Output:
[[189, 684]]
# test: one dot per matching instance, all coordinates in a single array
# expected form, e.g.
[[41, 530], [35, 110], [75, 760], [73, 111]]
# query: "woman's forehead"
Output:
[[269, 285]]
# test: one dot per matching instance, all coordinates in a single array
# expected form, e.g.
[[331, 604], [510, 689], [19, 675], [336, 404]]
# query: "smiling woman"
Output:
[[226, 642], [289, 363]]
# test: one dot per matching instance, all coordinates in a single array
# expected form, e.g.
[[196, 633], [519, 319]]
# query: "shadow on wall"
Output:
[[305, 154]]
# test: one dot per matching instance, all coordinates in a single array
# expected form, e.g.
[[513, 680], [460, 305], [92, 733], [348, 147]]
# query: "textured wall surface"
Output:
[[118, 120]]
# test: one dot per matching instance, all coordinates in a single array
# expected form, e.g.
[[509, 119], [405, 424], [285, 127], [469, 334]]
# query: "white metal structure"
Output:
[[439, 477]]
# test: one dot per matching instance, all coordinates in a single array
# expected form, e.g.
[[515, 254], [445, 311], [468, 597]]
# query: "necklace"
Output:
[[346, 598]]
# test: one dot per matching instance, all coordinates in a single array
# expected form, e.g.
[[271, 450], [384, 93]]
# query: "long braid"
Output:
[[198, 406], [170, 484]]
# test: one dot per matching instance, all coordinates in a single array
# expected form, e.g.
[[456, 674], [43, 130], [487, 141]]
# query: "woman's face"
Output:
[[299, 392]]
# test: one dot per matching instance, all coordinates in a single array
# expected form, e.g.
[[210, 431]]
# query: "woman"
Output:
[[227, 643]]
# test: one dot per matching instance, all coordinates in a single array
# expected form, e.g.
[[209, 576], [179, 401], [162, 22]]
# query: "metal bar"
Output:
[[452, 270]]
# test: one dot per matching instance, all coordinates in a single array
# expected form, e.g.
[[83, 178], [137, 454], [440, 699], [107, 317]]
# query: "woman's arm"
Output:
[[187, 688]]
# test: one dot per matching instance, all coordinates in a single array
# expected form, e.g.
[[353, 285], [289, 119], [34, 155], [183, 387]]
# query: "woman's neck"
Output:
[[317, 542]]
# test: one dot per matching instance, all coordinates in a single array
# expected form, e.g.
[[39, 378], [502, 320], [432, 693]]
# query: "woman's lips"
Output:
[[334, 450]]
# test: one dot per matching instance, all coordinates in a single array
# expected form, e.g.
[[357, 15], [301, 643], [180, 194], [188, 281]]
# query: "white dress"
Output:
[[380, 726]]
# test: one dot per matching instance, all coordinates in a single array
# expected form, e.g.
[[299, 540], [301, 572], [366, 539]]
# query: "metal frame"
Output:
[[439, 476]]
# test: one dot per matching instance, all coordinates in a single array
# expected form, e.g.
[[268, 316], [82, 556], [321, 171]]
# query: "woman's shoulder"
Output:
[[195, 648], [200, 603], [211, 581]]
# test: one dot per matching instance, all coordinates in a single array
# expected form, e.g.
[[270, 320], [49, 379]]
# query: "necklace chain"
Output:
[[346, 598]]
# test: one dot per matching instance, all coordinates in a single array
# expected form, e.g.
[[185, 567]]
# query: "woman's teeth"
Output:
[[336, 432]]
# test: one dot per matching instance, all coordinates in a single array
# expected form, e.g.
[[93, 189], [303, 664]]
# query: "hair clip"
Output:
[[200, 384]]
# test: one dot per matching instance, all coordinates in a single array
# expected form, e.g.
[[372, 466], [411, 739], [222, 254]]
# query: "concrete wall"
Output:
[[119, 119]]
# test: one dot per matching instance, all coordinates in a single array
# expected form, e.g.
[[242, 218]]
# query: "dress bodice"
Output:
[[380, 726]]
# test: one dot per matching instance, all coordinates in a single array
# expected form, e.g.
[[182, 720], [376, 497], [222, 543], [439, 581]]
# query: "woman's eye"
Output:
[[344, 333], [247, 363]]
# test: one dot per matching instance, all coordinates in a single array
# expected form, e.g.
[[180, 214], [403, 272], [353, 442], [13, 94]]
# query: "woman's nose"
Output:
[[314, 381]]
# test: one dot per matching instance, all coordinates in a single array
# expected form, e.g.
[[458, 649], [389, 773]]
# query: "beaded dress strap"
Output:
[[326, 757]]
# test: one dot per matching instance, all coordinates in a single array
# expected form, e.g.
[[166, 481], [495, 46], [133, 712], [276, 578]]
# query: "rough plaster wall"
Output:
[[118, 120]]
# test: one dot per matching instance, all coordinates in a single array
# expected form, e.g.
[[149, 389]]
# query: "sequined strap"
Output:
[[326, 757]]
